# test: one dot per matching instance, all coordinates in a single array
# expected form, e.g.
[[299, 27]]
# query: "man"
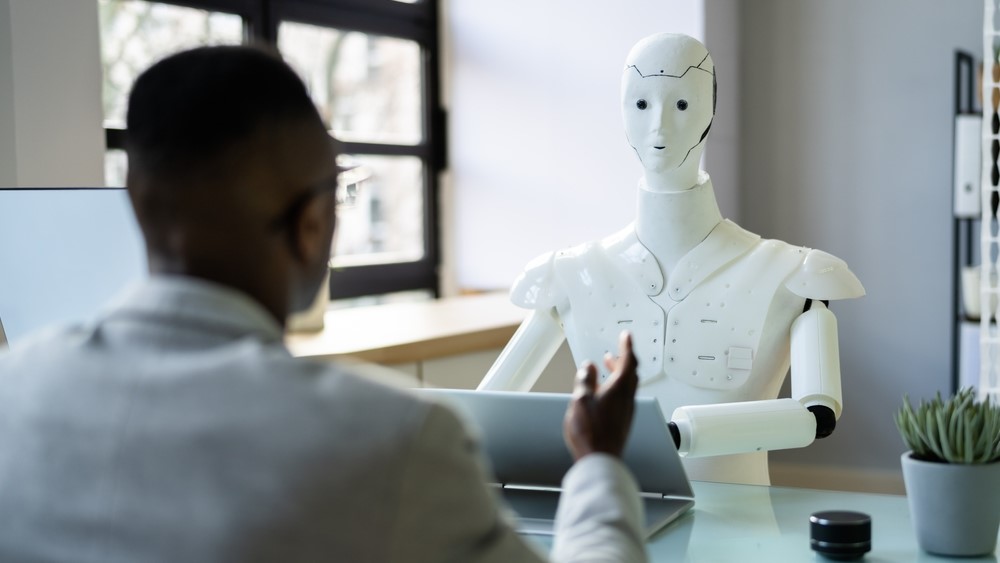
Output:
[[176, 427]]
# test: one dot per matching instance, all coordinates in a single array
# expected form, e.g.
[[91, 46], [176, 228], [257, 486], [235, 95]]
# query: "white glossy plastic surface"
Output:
[[667, 106], [816, 359], [711, 306], [753, 426], [824, 277], [514, 369]]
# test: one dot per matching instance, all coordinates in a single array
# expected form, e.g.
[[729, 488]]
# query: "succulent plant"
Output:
[[957, 430]]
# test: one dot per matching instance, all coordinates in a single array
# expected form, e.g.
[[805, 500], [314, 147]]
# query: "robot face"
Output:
[[666, 117]]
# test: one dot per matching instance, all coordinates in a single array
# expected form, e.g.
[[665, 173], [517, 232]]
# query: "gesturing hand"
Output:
[[599, 417]]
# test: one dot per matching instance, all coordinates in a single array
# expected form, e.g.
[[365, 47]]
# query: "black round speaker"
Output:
[[840, 534]]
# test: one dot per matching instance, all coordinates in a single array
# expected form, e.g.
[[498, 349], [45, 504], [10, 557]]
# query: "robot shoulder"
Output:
[[538, 287], [823, 276], [533, 288]]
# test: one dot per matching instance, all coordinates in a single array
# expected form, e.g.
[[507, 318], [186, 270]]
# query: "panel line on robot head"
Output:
[[672, 55]]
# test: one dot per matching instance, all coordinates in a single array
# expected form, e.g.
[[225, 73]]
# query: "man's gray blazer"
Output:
[[178, 428]]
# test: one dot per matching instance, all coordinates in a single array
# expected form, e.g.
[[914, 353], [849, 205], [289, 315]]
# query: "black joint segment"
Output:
[[675, 433], [826, 421], [809, 304]]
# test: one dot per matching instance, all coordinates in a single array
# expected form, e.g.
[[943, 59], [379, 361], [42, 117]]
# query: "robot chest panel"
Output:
[[711, 339]]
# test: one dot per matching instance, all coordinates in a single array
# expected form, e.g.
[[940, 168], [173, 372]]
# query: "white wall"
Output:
[[538, 154], [722, 151], [50, 94], [847, 146]]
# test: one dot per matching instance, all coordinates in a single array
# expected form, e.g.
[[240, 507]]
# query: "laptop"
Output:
[[521, 435]]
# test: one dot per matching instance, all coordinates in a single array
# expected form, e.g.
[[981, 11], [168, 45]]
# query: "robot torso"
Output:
[[714, 329]]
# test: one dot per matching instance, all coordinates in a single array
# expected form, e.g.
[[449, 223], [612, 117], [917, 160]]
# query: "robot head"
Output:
[[668, 100]]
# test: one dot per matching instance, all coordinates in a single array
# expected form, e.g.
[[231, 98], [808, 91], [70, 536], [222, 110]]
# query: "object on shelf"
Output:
[[968, 132], [971, 293], [968, 355]]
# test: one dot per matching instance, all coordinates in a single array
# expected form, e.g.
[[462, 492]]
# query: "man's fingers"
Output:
[[586, 379], [610, 362], [623, 368], [625, 354]]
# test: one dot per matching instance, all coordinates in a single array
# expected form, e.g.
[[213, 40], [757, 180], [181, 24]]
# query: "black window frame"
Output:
[[417, 21]]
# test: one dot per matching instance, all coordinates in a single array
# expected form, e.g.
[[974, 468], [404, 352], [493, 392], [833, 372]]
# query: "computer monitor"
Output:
[[64, 252]]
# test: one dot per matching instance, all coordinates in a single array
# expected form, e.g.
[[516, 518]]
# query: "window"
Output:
[[371, 67], [134, 34]]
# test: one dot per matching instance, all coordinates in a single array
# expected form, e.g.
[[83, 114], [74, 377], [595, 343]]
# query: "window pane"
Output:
[[115, 168], [381, 221], [136, 33], [367, 87]]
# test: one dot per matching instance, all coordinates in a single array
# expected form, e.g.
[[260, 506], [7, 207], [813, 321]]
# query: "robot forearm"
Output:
[[524, 358], [731, 428]]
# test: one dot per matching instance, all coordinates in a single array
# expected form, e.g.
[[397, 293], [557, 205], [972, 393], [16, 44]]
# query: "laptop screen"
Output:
[[64, 252], [522, 438]]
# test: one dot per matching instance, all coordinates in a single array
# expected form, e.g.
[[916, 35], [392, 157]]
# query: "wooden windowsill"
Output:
[[412, 332]]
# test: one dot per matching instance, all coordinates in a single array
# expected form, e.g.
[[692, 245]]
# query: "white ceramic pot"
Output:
[[955, 507]]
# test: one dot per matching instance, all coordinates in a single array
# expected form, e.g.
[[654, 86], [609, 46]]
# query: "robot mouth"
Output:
[[659, 148]]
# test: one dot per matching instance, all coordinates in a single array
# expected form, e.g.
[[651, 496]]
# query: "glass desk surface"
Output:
[[748, 523]]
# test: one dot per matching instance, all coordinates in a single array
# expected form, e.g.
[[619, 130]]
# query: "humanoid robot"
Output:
[[717, 313]]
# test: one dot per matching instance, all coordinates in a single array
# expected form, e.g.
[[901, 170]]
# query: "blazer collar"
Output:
[[197, 302]]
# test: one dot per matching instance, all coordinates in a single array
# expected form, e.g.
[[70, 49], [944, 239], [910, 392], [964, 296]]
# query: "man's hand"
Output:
[[599, 417]]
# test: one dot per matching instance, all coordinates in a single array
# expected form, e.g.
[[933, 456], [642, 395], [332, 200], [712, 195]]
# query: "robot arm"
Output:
[[812, 412], [752, 426], [524, 358], [816, 366], [538, 338]]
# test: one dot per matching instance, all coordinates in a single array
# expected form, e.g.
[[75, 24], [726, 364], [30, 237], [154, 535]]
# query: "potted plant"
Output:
[[952, 472]]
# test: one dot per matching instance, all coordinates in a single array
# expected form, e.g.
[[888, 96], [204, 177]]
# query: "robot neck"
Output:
[[670, 224], [678, 179]]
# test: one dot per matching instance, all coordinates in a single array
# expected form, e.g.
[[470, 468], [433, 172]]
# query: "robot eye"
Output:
[[682, 104], [641, 104]]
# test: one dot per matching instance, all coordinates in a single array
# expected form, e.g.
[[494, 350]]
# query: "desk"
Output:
[[754, 524], [747, 523], [448, 343], [412, 332]]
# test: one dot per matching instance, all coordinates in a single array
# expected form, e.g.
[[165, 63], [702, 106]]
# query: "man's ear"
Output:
[[312, 231]]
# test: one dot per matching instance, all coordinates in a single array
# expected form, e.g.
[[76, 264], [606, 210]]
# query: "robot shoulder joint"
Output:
[[533, 289], [823, 276]]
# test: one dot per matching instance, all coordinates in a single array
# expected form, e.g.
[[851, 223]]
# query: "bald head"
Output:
[[226, 154], [669, 54]]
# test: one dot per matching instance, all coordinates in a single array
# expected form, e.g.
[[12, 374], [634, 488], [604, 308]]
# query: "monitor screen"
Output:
[[64, 252]]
